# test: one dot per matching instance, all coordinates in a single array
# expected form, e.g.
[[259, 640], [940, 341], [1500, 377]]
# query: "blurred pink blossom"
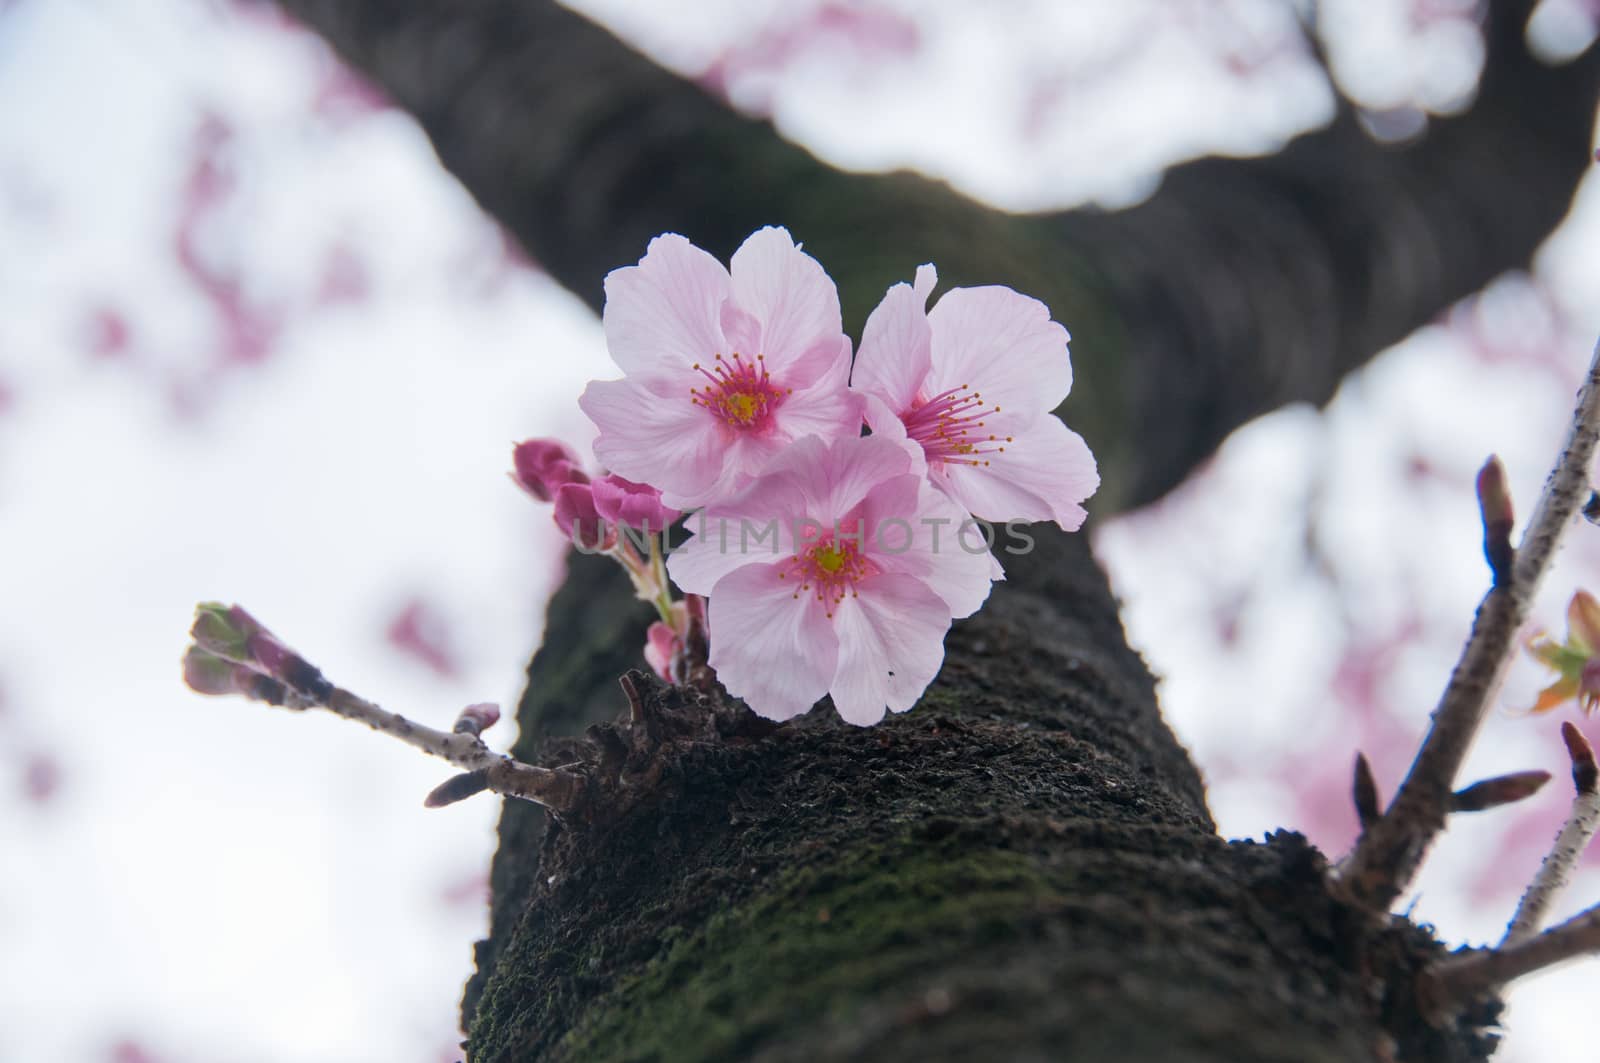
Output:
[[129, 1051], [421, 631], [467, 890], [342, 95], [248, 331], [344, 277], [875, 34], [109, 333], [41, 778]]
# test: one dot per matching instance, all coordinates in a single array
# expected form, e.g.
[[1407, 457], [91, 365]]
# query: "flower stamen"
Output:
[[829, 567], [948, 427], [739, 392]]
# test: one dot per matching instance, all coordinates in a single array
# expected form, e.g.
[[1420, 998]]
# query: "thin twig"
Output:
[[1387, 856], [1558, 866], [1454, 982], [556, 790], [233, 653]]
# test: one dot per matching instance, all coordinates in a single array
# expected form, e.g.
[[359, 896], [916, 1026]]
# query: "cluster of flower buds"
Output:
[[234, 654], [832, 562], [610, 515]]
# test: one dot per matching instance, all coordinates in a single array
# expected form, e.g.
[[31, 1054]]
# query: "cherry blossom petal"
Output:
[[1043, 474], [933, 552], [788, 292], [775, 650], [826, 408], [665, 313], [648, 438], [826, 363], [704, 559], [1001, 343], [894, 359], [891, 644], [738, 460], [741, 329], [834, 478], [725, 540], [885, 424], [752, 525]]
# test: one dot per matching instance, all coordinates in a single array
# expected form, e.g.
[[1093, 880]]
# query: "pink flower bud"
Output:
[[475, 719], [230, 633], [660, 647], [577, 517], [543, 465], [636, 505]]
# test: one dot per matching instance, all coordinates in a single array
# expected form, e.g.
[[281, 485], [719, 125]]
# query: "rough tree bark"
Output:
[[1025, 860]]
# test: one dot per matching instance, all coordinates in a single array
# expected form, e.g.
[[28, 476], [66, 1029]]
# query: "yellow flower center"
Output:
[[742, 406], [739, 392]]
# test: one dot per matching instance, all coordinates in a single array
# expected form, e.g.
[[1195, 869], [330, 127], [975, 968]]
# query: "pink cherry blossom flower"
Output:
[[972, 383], [837, 572], [636, 505], [723, 369], [542, 465]]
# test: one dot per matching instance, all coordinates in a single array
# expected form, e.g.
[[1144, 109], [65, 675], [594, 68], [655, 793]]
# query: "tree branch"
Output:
[[556, 790], [234, 654], [1556, 870], [1448, 986], [1240, 285], [1388, 855]]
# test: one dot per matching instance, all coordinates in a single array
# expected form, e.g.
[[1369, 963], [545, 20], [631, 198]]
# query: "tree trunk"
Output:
[[1023, 866]]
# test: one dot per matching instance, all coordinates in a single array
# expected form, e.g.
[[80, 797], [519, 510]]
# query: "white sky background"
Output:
[[215, 881]]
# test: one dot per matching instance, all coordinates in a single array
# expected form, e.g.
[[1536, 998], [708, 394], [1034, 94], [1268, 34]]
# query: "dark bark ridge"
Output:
[[1024, 860], [1241, 285]]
